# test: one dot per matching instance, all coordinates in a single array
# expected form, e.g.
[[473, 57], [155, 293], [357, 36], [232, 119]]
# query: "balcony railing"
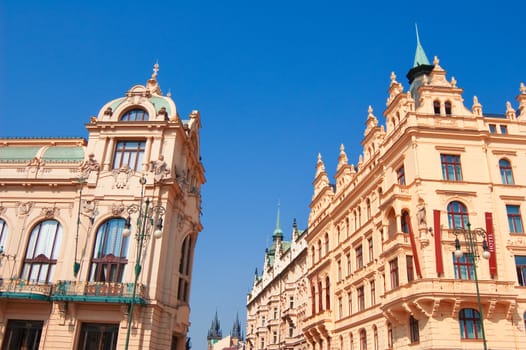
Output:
[[108, 292], [98, 292], [23, 289]]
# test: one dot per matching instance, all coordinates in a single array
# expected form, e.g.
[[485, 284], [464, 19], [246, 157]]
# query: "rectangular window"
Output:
[[514, 219], [371, 250], [493, 129], [291, 330], [22, 334], [274, 337], [414, 330], [359, 257], [349, 268], [361, 298], [373, 293], [340, 307], [400, 175], [275, 313], [504, 129], [464, 268], [98, 336], [409, 267], [339, 263], [451, 170], [349, 303], [520, 265], [130, 154], [393, 269], [291, 302]]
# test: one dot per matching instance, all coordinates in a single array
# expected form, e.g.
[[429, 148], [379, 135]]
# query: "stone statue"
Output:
[[159, 168], [421, 214], [89, 165]]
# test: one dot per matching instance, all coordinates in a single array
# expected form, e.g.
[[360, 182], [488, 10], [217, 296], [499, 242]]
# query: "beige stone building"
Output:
[[98, 235], [382, 268], [276, 304]]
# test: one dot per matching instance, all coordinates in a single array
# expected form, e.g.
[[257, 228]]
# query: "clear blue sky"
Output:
[[276, 82]]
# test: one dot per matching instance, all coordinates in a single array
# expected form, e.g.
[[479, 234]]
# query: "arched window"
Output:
[[506, 173], [319, 250], [313, 254], [391, 226], [346, 227], [110, 252], [326, 243], [338, 232], [457, 215], [351, 342], [184, 269], [447, 107], [375, 338], [363, 339], [436, 107], [469, 322], [390, 338], [327, 293], [368, 207], [133, 115], [42, 252], [404, 221], [3, 234]]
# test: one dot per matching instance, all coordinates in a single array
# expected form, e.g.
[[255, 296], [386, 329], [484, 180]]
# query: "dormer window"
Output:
[[134, 115], [447, 107], [436, 107]]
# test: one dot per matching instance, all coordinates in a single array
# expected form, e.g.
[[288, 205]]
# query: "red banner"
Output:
[[438, 243], [491, 244], [413, 245]]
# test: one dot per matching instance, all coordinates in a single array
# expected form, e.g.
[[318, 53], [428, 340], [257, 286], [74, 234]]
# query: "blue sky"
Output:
[[276, 82]]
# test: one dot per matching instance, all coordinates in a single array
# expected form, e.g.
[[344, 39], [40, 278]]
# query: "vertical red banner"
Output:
[[491, 244], [413, 246], [438, 243]]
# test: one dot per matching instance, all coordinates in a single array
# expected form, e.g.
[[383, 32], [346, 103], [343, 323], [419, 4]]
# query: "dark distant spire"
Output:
[[214, 333], [236, 329]]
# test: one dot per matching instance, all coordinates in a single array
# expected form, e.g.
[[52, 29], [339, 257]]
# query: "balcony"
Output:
[[103, 292], [23, 289]]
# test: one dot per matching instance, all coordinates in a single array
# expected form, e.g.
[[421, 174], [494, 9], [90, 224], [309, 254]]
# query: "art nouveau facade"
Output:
[[81, 233], [276, 304], [382, 272]]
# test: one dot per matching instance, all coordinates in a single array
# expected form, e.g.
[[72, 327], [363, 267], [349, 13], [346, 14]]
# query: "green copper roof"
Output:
[[420, 55], [160, 102], [64, 154], [17, 154]]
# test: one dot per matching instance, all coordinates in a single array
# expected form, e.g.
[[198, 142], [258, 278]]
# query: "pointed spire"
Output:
[[477, 107], [236, 329], [342, 159], [420, 55], [277, 231], [214, 333], [320, 167]]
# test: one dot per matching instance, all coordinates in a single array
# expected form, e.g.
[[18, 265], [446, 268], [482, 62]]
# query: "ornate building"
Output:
[[98, 235], [385, 262], [276, 304]]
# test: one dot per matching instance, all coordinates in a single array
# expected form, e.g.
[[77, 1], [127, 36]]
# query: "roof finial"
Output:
[[277, 231], [155, 70]]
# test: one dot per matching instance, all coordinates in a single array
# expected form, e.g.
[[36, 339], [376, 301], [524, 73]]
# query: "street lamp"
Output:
[[149, 222], [471, 239]]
